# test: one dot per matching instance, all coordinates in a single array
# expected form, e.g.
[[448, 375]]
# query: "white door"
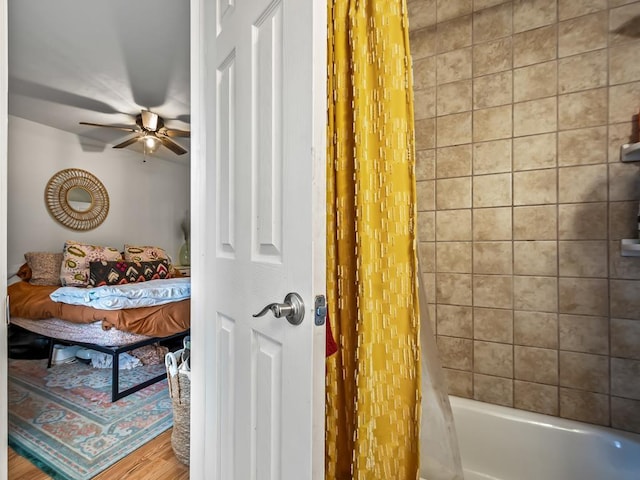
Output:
[[4, 69], [258, 198]]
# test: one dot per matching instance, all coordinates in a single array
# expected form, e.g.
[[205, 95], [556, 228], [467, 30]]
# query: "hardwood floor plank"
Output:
[[153, 461]]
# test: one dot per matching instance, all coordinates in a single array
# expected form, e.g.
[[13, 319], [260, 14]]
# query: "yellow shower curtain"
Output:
[[373, 381]]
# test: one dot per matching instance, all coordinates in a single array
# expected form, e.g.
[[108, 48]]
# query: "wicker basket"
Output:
[[180, 393]]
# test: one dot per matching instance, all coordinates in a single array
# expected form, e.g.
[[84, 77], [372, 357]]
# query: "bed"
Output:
[[112, 331]]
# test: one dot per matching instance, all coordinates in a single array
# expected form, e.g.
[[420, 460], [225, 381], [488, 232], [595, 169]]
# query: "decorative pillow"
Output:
[[76, 259], [146, 253], [120, 271], [45, 267]]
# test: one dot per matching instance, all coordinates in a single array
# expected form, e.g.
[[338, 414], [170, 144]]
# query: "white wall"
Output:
[[147, 200]]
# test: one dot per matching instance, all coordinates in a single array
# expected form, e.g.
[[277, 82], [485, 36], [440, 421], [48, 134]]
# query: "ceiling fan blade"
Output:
[[172, 132], [128, 142], [117, 127], [171, 145]]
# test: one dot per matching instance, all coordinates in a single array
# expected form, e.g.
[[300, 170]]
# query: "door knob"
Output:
[[292, 309]]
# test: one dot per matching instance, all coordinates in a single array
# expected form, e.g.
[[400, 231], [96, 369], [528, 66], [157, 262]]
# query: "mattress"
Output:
[[79, 332]]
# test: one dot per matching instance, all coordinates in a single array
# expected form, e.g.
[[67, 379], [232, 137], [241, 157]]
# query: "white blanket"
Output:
[[130, 295]]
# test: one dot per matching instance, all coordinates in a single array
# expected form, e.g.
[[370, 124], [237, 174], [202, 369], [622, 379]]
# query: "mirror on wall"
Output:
[[77, 199]]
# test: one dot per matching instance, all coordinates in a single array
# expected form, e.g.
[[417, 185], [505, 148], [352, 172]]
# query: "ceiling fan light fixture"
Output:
[[151, 144]]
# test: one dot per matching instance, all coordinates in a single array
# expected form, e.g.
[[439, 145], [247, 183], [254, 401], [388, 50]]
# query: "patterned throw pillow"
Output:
[[45, 267], [76, 259], [146, 253], [120, 271]]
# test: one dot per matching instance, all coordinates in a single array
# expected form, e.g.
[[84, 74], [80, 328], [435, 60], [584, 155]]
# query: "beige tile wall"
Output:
[[521, 108]]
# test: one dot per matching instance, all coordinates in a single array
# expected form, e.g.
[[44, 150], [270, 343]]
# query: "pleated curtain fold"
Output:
[[373, 381]]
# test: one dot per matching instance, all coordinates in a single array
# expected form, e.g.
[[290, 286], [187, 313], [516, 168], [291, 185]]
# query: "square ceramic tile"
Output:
[[625, 414], [538, 294], [425, 164], [459, 383], [426, 195], [455, 352], [582, 109], [453, 225], [583, 184], [583, 72], [482, 4], [582, 34], [454, 321], [448, 9], [424, 103], [535, 397], [576, 8], [493, 258], [424, 73], [534, 152], [493, 325], [625, 338], [493, 90], [535, 223], [529, 14], [621, 220], [454, 97], [623, 102], [535, 46], [535, 116], [533, 364], [492, 57], [453, 66], [453, 161], [624, 182], [454, 257], [422, 13], [490, 389], [584, 406], [625, 300], [624, 378], [535, 258], [492, 123], [535, 81], [583, 258], [492, 157], [535, 329], [453, 129], [492, 23], [493, 358], [621, 21], [619, 134], [492, 291], [587, 221], [622, 268], [535, 187], [454, 34], [623, 64], [584, 334], [453, 288], [584, 296], [582, 146], [492, 223], [452, 193], [426, 226], [423, 41], [425, 133], [492, 190], [584, 371], [427, 256]]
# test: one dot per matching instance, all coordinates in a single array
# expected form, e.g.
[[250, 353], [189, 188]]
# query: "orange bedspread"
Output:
[[32, 301]]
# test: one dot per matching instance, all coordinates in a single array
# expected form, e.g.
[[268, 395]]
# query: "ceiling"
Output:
[[100, 61]]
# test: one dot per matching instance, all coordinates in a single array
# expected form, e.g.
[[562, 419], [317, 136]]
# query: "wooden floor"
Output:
[[153, 461]]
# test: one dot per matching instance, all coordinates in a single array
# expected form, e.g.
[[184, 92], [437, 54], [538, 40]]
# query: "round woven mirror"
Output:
[[77, 199]]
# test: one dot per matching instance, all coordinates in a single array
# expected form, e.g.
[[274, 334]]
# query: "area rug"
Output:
[[62, 418]]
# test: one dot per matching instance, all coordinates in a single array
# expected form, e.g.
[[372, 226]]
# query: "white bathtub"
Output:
[[499, 443]]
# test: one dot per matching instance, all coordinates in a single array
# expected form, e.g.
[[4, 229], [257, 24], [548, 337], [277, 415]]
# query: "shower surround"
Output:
[[520, 111]]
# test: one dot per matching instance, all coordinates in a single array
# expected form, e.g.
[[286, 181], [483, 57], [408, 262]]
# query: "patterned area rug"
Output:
[[63, 420]]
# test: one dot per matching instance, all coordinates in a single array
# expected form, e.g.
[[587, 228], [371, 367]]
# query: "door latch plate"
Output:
[[320, 309]]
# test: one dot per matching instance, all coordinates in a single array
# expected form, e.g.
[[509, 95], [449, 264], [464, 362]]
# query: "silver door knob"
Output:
[[292, 309]]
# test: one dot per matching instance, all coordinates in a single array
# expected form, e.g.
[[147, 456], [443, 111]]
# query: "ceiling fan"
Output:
[[151, 131]]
